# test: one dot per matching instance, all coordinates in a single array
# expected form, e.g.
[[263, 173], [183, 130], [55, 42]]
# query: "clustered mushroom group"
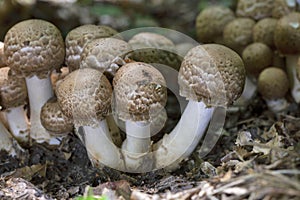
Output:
[[98, 85], [266, 35]]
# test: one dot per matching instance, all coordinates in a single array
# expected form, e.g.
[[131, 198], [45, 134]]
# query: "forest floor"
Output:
[[257, 157]]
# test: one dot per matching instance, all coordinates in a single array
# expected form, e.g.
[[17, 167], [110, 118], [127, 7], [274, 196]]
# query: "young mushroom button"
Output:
[[85, 96], [140, 95], [210, 76], [105, 55], [287, 41], [77, 38], [33, 48]]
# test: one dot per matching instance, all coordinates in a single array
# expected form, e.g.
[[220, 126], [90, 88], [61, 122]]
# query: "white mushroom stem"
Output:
[[39, 92], [101, 149], [184, 138], [249, 91], [277, 105], [291, 64], [7, 142], [136, 147], [18, 123]]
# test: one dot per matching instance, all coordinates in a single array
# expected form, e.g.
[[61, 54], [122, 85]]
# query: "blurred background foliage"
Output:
[[120, 14]]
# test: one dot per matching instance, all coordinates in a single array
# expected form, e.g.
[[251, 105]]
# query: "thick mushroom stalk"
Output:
[[140, 95], [13, 95], [33, 48], [85, 96], [210, 76], [7, 142]]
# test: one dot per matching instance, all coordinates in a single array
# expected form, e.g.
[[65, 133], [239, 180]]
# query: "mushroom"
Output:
[[105, 55], [238, 34], [85, 97], [256, 9], [33, 48], [283, 7], [273, 85], [210, 76], [77, 38], [13, 95], [54, 120], [287, 41], [211, 22], [257, 56], [263, 31], [139, 96], [154, 48]]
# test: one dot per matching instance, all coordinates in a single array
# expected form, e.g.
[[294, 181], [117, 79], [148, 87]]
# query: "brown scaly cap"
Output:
[[263, 31], [238, 33], [53, 119], [273, 83], [212, 73], [256, 9], [101, 53], [77, 38], [256, 57], [34, 47], [211, 22], [13, 91], [154, 48], [287, 34], [283, 7], [140, 92], [84, 96]]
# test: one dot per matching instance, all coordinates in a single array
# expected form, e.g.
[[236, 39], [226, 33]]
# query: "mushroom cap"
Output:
[[84, 95], [213, 74], [140, 92], [273, 83], [53, 119], [154, 48], [2, 57], [283, 7], [211, 22], [103, 53], [13, 90], [287, 34], [256, 9], [263, 31], [257, 56], [34, 47], [77, 38], [238, 33]]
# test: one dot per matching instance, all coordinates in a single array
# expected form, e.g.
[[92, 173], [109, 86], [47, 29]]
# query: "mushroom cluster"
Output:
[[111, 93], [266, 35]]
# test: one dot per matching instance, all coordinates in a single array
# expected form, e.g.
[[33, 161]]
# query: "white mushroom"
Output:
[[33, 48]]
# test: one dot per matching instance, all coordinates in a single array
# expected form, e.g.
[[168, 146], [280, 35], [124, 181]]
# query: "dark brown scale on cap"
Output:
[[13, 91], [53, 119], [85, 96], [213, 74], [34, 47], [140, 92], [79, 37]]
